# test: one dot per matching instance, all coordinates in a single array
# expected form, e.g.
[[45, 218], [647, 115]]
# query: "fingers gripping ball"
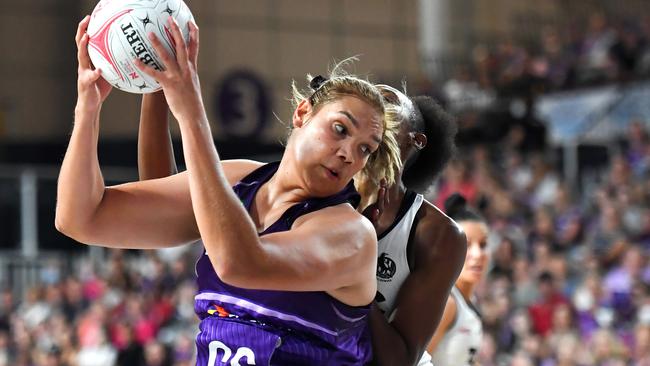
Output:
[[118, 34]]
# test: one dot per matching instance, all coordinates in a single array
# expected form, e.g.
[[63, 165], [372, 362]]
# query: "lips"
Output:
[[332, 173], [476, 268]]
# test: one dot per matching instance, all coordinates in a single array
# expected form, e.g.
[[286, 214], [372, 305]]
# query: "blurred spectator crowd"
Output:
[[592, 52], [570, 276], [135, 309], [570, 282]]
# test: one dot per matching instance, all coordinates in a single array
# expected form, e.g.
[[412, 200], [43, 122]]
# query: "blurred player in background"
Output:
[[458, 337]]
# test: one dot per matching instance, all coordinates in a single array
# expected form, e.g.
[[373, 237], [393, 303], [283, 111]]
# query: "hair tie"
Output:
[[317, 82]]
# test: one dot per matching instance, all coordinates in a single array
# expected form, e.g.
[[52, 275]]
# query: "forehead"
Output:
[[474, 228], [399, 101], [366, 118]]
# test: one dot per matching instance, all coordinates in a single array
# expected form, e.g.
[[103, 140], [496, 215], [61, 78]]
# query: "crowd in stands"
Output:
[[135, 309], [570, 278], [596, 51]]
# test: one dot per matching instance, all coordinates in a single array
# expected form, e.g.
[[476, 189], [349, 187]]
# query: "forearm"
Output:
[[227, 231], [80, 185], [221, 218], [155, 149], [389, 346]]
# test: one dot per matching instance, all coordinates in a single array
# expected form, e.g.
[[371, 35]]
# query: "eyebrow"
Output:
[[356, 124]]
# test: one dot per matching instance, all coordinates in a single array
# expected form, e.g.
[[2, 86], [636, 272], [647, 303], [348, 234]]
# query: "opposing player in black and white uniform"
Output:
[[421, 250], [458, 337]]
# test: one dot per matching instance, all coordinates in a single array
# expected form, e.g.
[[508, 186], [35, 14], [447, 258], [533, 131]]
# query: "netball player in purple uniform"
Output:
[[421, 250], [289, 265]]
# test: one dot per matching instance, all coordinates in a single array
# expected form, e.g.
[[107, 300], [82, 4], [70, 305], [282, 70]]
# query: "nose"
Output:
[[344, 153], [474, 251]]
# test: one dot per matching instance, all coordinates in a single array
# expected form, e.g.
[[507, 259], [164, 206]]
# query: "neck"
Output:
[[284, 187], [395, 195], [396, 192], [466, 289]]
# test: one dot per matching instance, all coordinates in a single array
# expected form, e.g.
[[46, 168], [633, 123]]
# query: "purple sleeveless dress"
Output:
[[262, 327]]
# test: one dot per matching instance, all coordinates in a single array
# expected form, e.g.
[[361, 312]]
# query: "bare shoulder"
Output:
[[352, 237], [237, 169], [438, 236], [343, 219], [343, 228]]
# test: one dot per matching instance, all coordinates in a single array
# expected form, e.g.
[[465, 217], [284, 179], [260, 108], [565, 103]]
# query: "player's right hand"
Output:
[[179, 77]]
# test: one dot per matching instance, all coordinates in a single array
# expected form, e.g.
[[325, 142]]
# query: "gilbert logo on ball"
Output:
[[118, 32]]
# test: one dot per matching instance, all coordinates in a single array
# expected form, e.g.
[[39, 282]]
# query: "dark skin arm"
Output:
[[440, 249], [155, 149]]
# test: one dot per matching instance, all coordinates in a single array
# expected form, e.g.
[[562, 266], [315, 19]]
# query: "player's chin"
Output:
[[472, 276], [476, 276], [323, 186]]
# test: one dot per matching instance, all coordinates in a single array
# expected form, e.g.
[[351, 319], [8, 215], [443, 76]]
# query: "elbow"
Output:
[[232, 273], [409, 355], [245, 275], [402, 356], [224, 272], [68, 226], [235, 266], [62, 223], [415, 358], [235, 277]]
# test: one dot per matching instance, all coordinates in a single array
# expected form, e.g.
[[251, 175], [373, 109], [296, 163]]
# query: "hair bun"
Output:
[[317, 82], [454, 204]]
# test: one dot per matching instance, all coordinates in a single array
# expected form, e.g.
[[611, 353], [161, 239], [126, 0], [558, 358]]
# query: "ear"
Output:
[[301, 113], [419, 140]]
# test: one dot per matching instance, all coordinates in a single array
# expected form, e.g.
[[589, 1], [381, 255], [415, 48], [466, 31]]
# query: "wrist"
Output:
[[83, 108], [155, 97], [193, 116]]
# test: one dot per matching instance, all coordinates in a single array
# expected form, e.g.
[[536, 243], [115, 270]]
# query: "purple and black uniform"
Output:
[[277, 327]]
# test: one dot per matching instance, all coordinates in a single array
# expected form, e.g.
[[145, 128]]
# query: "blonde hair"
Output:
[[385, 161], [399, 108]]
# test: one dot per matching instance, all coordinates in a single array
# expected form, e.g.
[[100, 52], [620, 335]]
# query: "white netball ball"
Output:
[[118, 32]]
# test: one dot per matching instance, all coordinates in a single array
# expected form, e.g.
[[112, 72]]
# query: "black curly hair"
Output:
[[440, 128]]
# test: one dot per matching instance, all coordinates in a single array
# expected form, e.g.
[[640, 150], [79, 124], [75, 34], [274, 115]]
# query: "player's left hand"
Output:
[[179, 77]]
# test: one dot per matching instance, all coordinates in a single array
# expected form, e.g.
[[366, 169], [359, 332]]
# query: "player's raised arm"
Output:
[[155, 148], [134, 215]]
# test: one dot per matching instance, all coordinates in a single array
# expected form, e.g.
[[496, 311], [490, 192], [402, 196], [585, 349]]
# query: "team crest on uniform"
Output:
[[386, 267]]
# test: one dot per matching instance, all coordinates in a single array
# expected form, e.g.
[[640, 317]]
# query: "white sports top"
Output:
[[460, 344], [392, 264]]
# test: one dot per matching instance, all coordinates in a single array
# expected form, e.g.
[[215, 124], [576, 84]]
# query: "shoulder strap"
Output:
[[347, 195], [248, 186]]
